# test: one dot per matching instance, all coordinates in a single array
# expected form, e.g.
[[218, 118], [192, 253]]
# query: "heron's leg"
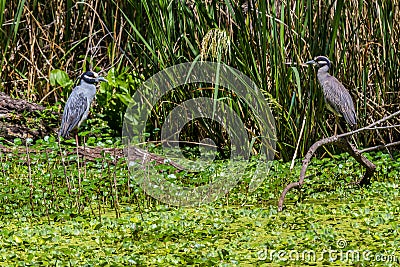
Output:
[[340, 128], [76, 139], [77, 154], [79, 170], [77, 146], [336, 124]]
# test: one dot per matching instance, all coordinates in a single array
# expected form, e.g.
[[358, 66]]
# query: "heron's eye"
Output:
[[92, 75]]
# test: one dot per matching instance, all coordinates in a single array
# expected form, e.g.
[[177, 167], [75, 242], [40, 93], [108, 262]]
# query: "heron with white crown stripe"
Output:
[[77, 107], [337, 97]]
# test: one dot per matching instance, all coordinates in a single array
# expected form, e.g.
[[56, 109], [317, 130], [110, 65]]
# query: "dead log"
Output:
[[89, 153], [143, 157], [22, 119], [94, 153]]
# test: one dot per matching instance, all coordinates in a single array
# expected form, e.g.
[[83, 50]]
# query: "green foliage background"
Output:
[[132, 40]]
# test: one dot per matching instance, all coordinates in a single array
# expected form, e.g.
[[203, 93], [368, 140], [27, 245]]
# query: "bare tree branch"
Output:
[[342, 141], [380, 147]]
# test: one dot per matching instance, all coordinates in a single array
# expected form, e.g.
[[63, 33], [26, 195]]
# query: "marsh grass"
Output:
[[258, 38], [46, 222], [36, 181]]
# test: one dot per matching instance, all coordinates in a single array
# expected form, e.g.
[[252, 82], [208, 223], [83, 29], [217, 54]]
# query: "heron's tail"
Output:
[[63, 132], [351, 119]]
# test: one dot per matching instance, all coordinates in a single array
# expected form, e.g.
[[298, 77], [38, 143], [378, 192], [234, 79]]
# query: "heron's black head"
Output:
[[320, 61], [92, 77]]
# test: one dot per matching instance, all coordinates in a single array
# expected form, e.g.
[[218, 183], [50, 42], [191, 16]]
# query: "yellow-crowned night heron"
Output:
[[77, 107], [337, 97]]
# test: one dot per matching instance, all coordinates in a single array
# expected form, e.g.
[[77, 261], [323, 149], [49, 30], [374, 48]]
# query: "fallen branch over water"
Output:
[[342, 141], [93, 153]]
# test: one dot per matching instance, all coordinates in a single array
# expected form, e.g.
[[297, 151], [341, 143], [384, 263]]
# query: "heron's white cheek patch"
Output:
[[321, 62]]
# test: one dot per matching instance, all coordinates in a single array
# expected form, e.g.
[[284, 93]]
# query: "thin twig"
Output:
[[380, 147], [64, 166], [117, 211], [298, 143], [79, 172], [30, 175]]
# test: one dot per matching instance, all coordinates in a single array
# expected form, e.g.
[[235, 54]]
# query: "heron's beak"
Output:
[[311, 62], [101, 79]]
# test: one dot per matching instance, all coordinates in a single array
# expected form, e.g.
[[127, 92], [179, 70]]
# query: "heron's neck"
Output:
[[89, 89], [87, 85], [323, 73]]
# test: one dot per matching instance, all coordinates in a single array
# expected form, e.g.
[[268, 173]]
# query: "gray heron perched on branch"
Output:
[[77, 107], [337, 97]]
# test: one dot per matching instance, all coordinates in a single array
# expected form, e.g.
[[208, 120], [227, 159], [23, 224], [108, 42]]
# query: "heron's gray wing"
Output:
[[74, 110], [340, 100]]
